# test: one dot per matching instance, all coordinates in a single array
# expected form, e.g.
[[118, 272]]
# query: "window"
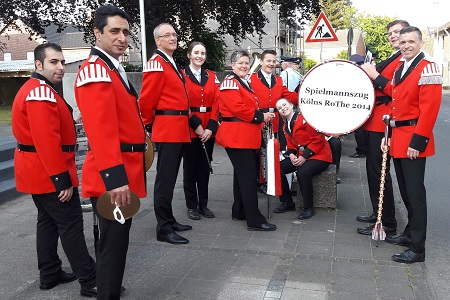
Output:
[[7, 56], [30, 55]]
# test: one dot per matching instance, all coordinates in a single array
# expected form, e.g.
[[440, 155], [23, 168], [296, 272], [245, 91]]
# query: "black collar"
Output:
[[103, 57], [41, 77], [247, 87]]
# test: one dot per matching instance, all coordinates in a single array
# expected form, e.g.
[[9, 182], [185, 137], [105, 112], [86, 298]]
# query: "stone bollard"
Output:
[[325, 189]]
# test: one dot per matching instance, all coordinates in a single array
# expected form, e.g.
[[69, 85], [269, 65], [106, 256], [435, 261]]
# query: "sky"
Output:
[[419, 13]]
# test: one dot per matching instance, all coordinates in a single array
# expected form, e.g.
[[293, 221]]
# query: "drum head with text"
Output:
[[336, 97]]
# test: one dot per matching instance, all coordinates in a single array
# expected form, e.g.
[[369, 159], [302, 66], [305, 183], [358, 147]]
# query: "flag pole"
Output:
[[143, 37]]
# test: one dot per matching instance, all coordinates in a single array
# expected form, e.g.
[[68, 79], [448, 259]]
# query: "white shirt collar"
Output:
[[169, 57], [115, 62], [199, 71]]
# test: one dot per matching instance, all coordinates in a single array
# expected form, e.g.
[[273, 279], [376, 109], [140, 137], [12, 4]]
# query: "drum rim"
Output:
[[344, 61]]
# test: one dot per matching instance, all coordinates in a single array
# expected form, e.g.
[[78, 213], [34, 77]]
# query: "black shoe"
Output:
[[307, 213], [63, 277], [171, 238], [88, 292], [409, 257], [180, 227], [263, 227], [206, 212], [284, 207], [92, 292], [338, 180], [357, 155], [401, 240], [367, 219], [193, 214], [368, 230], [237, 219]]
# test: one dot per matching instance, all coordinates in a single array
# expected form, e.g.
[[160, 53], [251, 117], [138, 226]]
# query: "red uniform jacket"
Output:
[[43, 120], [111, 119], [382, 103], [239, 104], [203, 98], [268, 97], [164, 91], [303, 135], [415, 96]]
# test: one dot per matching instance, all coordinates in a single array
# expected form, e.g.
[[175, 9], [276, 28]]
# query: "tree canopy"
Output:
[[375, 34], [189, 17]]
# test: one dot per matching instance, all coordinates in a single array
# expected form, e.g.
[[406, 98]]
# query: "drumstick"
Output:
[[207, 159]]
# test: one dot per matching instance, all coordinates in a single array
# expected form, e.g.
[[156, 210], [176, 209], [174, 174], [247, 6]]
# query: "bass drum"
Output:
[[336, 97]]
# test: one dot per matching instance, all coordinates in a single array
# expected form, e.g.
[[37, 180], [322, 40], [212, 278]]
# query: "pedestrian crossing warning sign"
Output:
[[322, 31]]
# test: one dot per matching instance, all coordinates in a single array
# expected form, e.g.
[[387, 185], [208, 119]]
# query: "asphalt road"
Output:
[[438, 187]]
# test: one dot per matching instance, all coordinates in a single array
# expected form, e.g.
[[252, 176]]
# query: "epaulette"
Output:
[[431, 74], [153, 66], [92, 73], [41, 93], [93, 58], [228, 84]]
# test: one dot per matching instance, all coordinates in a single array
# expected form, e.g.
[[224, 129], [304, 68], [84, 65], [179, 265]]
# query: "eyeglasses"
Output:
[[241, 63], [168, 35]]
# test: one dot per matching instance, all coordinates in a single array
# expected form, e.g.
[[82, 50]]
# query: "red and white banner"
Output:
[[273, 168]]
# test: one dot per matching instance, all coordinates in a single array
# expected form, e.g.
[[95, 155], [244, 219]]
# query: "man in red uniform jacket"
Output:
[[269, 88], [115, 160], [416, 91], [164, 104], [44, 166], [375, 133]]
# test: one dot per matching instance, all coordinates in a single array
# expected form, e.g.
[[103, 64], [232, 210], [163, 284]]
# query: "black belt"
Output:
[[131, 148], [168, 112], [403, 123], [265, 110], [230, 119], [29, 148], [201, 109]]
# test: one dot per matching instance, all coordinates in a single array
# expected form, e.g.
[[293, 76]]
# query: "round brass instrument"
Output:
[[149, 154]]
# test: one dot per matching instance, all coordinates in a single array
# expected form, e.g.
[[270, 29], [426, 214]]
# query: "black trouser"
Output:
[[373, 168], [281, 137], [361, 141], [111, 255], [410, 177], [63, 220], [196, 172], [245, 205], [167, 167], [305, 174], [336, 149]]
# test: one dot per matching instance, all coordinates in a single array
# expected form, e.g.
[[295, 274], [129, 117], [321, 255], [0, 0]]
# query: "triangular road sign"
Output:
[[322, 31]]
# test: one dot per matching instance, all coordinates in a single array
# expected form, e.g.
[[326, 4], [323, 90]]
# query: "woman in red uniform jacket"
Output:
[[240, 135], [308, 154], [203, 91]]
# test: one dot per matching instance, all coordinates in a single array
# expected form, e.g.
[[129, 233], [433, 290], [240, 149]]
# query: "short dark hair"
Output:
[[265, 52], [39, 51], [103, 12], [395, 22], [412, 29], [237, 54]]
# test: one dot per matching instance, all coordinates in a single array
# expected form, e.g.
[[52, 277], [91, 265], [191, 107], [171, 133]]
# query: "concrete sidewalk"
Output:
[[320, 258]]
